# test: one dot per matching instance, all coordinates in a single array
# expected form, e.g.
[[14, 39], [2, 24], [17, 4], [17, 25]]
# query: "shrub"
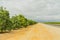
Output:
[[15, 22]]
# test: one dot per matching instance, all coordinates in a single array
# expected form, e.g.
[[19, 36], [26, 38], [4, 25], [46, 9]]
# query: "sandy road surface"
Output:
[[35, 32]]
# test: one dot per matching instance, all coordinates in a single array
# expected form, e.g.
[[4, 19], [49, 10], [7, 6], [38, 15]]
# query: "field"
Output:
[[53, 23]]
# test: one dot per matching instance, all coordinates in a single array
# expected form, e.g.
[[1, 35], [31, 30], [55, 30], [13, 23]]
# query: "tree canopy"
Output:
[[15, 22]]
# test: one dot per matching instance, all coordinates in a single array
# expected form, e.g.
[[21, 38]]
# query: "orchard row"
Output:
[[15, 22]]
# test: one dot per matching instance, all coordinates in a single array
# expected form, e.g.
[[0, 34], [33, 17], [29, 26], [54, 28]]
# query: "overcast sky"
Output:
[[43, 10]]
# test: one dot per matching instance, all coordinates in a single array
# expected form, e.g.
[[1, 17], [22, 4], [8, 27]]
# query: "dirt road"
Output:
[[35, 32]]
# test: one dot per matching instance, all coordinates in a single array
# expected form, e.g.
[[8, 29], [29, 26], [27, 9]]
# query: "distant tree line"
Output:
[[15, 22]]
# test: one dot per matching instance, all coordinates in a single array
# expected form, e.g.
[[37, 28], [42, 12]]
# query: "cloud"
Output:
[[44, 9]]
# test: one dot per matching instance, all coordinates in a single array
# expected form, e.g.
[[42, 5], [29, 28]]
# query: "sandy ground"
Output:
[[38, 31]]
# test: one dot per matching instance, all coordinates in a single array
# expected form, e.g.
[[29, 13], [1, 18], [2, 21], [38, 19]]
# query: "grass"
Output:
[[52, 22]]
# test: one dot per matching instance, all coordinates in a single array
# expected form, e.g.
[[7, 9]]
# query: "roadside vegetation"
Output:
[[15, 22], [52, 22]]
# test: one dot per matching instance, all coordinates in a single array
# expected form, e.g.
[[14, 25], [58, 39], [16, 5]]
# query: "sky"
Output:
[[39, 10]]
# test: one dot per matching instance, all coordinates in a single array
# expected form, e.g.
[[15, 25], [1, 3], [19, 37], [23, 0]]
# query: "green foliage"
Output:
[[30, 22], [52, 22], [18, 21], [4, 20]]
